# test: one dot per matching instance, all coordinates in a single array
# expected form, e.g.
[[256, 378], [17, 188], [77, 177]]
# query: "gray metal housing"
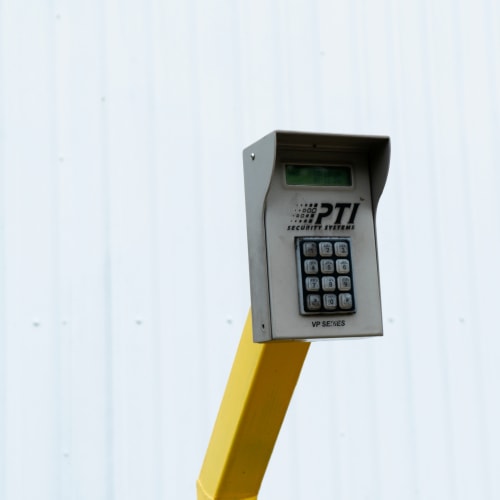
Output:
[[259, 160]]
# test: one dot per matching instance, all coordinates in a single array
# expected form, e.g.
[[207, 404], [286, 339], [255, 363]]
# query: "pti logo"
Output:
[[316, 213]]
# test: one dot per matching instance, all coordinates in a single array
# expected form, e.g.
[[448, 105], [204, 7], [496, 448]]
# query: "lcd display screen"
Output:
[[318, 175]]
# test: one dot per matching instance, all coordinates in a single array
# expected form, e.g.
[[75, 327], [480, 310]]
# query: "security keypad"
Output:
[[324, 268]]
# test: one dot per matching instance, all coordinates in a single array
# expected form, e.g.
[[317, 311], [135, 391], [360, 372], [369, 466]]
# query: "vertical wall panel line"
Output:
[[430, 135], [61, 382], [107, 277], [398, 111], [490, 20], [156, 347], [465, 168], [3, 322], [200, 319]]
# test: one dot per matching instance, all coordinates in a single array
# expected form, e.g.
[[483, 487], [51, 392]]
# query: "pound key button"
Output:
[[345, 301]]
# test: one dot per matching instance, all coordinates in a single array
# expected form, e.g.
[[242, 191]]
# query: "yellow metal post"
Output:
[[256, 399]]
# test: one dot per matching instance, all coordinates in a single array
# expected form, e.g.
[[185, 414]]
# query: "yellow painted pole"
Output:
[[254, 405]]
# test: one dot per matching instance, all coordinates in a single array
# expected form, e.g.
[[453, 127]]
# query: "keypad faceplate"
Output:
[[324, 266]]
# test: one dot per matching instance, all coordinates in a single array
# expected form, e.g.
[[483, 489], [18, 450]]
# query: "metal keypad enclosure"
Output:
[[325, 280], [299, 295]]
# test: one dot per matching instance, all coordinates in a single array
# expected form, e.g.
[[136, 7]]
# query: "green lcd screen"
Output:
[[318, 175]]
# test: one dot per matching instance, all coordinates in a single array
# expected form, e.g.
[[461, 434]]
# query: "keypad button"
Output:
[[325, 249], [311, 266], [310, 249], [313, 302], [312, 284], [341, 249], [344, 283], [345, 301], [326, 266], [328, 283], [330, 301], [342, 266]]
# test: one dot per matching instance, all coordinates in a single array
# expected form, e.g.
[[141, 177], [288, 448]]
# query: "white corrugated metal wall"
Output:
[[123, 274]]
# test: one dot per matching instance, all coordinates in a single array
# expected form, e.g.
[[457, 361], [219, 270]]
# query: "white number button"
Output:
[[342, 266], [311, 266], [312, 284], [344, 283], [330, 301], [327, 266], [341, 249], [328, 283], [325, 249], [310, 249]]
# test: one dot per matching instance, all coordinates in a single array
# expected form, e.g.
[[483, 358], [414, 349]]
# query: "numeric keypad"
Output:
[[324, 267]]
